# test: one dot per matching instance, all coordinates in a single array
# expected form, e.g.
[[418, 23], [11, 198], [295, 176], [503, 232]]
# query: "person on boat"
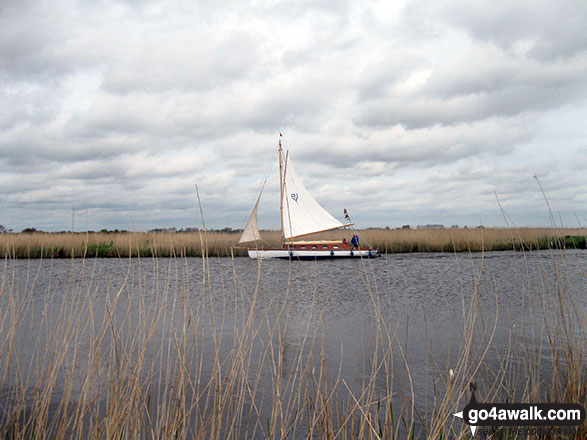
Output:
[[344, 242], [355, 241]]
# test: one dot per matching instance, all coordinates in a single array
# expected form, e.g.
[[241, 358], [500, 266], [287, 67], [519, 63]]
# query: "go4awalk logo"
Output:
[[520, 414]]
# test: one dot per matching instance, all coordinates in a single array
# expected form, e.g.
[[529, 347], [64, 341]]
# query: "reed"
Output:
[[124, 244], [133, 361], [143, 244], [465, 240]]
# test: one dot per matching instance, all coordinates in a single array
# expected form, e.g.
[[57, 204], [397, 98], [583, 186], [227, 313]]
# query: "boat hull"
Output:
[[311, 254]]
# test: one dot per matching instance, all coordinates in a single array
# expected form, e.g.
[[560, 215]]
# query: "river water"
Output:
[[414, 313]]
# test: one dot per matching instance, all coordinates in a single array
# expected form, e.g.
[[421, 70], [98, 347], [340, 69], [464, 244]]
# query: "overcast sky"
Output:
[[403, 112]]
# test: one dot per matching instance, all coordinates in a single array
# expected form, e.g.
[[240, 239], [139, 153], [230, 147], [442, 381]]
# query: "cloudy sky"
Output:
[[403, 112]]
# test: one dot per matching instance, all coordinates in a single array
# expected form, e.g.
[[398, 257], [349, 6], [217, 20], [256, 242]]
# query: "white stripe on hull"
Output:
[[296, 253]]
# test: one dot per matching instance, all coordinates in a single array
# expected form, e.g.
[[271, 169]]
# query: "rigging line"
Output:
[[262, 184]]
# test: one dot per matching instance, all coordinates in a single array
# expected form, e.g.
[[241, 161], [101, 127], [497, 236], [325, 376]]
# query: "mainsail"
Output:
[[251, 231], [302, 214]]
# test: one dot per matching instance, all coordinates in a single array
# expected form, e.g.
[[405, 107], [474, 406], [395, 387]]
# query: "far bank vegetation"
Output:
[[167, 244]]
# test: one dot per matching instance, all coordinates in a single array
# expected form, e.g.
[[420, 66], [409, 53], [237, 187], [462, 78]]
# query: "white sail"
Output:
[[302, 214], [251, 231]]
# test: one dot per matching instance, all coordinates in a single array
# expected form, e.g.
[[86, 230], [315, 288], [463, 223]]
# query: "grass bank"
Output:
[[77, 245]]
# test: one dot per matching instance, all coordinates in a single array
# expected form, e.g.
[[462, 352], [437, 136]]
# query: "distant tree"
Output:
[[3, 229], [28, 230]]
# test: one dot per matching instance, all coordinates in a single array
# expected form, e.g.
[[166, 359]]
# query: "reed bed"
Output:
[[105, 361], [143, 244]]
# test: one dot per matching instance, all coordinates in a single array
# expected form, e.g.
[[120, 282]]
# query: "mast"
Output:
[[281, 191]]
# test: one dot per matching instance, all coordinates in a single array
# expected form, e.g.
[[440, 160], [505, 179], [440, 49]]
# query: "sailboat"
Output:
[[301, 217]]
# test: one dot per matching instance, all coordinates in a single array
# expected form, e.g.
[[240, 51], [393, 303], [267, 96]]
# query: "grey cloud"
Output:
[[475, 80], [552, 29], [22, 150], [177, 62], [375, 81], [36, 42], [423, 147], [421, 112], [504, 75], [473, 91]]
